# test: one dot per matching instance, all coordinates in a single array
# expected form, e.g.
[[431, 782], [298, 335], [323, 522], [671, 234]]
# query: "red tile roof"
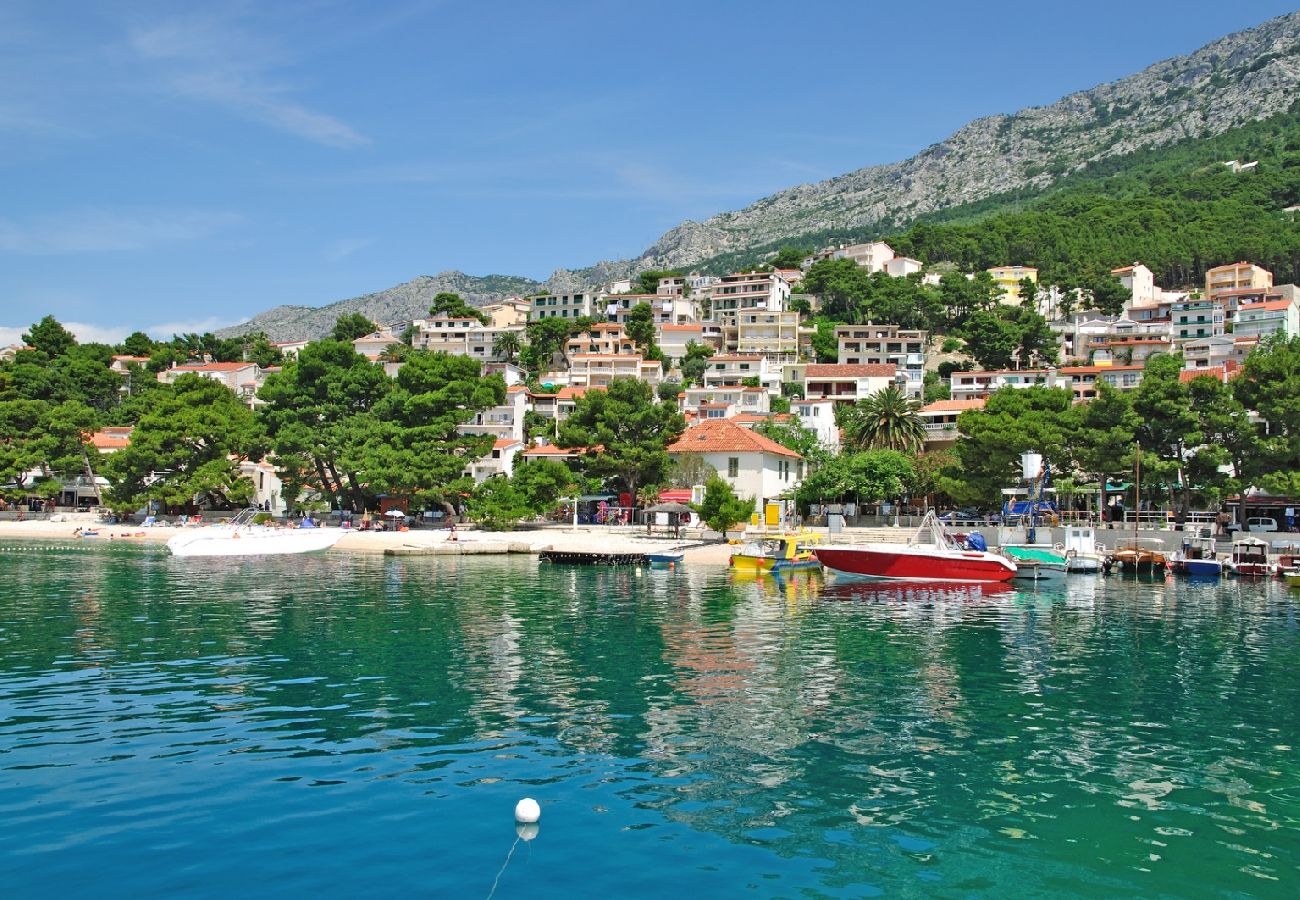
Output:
[[114, 440], [866, 370], [502, 443], [725, 436], [942, 406], [213, 367]]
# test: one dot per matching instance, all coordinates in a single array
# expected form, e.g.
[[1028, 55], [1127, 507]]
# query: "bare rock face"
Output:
[[1240, 78], [395, 306]]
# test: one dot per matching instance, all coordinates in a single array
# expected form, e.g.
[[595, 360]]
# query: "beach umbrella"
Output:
[[395, 514]]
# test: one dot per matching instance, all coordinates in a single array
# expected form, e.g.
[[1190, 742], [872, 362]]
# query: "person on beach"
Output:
[[451, 530]]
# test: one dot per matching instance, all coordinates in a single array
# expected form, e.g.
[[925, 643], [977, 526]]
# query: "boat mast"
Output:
[[1137, 495]]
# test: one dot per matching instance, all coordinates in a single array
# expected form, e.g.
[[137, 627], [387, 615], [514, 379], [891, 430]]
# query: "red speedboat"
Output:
[[931, 555]]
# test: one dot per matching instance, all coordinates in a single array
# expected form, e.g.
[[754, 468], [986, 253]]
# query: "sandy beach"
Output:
[[420, 541]]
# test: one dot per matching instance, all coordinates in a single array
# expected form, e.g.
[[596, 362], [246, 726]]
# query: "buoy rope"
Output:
[[497, 880]]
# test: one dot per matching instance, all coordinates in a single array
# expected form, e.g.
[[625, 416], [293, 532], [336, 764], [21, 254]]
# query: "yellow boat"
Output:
[[776, 554]]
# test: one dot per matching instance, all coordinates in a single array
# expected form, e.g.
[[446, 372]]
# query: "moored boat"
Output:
[[1249, 558], [1197, 557], [776, 554], [932, 554], [242, 538], [1145, 557], [1037, 562], [1082, 552]]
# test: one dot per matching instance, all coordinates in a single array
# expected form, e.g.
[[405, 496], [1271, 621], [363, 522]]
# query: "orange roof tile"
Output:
[[213, 367], [942, 406], [835, 370], [502, 443], [725, 436]]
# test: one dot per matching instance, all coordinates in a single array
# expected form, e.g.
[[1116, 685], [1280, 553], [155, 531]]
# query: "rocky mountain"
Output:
[[396, 305], [1243, 77]]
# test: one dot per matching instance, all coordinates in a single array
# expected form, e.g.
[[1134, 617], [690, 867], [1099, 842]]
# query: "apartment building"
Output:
[[1260, 319], [872, 344], [242, 378], [1236, 276], [725, 402], [503, 421], [730, 369], [847, 383], [458, 336], [605, 339], [1197, 318], [564, 306], [1081, 380], [591, 370], [747, 291], [774, 334], [667, 309], [1008, 278]]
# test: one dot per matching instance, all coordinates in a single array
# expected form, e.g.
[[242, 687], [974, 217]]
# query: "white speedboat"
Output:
[[242, 538]]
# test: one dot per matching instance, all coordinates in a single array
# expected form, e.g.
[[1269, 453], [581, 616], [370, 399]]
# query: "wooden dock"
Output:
[[588, 558]]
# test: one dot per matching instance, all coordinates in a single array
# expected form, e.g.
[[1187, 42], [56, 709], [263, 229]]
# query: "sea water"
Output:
[[350, 726]]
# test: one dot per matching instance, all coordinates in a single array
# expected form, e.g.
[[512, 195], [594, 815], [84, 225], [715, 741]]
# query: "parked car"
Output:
[[1257, 524]]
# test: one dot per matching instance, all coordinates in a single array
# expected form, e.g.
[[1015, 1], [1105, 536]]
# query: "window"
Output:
[[733, 466]]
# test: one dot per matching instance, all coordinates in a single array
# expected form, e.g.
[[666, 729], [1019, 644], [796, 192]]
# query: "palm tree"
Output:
[[507, 344], [886, 420]]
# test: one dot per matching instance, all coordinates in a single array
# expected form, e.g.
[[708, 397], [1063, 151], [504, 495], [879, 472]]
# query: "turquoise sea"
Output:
[[348, 726]]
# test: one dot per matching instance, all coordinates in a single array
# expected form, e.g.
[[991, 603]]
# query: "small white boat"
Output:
[[1037, 562], [242, 538], [1082, 552], [1250, 558]]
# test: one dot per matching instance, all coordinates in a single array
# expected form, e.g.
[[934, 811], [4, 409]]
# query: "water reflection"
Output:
[[1090, 733]]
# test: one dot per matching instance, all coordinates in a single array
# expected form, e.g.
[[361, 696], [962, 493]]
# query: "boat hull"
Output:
[[252, 542], [764, 565], [1031, 571], [1204, 568], [1083, 565], [896, 562]]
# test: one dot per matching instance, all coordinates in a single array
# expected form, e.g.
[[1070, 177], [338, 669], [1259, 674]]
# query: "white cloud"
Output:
[[214, 63], [84, 332], [165, 330], [100, 230]]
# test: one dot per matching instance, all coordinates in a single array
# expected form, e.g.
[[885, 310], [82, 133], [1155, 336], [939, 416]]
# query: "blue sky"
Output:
[[182, 166]]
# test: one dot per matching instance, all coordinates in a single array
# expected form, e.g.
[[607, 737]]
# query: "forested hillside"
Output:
[[1177, 209]]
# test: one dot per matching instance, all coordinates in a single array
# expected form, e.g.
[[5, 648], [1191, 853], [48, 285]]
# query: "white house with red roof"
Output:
[[940, 420], [1270, 317], [243, 378], [599, 369], [731, 400], [754, 465], [499, 461], [847, 383], [503, 421]]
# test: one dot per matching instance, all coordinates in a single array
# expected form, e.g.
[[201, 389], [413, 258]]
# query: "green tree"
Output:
[[844, 288], [416, 448], [1269, 383], [991, 440], [542, 482], [720, 508], [138, 343], [507, 345], [794, 435], [48, 336], [1169, 426], [871, 477], [887, 420], [350, 326], [498, 505], [320, 419], [695, 363], [630, 429], [453, 306], [187, 449], [791, 257], [1106, 436], [648, 282], [640, 327]]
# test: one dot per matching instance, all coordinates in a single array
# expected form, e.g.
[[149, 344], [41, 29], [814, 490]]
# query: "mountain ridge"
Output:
[[1245, 76]]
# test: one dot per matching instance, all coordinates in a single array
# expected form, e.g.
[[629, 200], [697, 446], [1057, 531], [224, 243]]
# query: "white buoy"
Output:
[[527, 811]]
